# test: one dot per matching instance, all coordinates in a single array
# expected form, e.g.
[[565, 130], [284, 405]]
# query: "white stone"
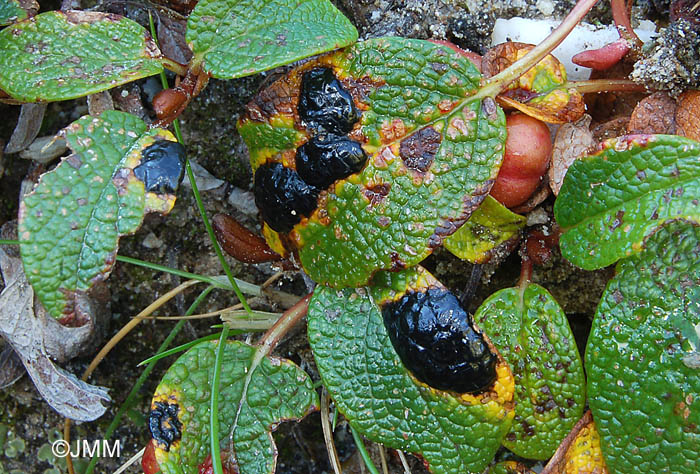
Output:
[[583, 37]]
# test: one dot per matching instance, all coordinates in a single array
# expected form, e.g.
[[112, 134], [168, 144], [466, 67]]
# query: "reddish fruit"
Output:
[[148, 461], [528, 148]]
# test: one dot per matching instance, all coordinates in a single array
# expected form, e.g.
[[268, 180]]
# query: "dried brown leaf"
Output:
[[572, 141], [541, 193], [11, 368], [613, 128], [653, 114], [171, 38], [688, 115], [29, 333], [541, 92], [27, 128], [99, 102]]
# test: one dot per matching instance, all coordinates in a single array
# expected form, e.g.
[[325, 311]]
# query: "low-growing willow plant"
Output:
[[366, 159]]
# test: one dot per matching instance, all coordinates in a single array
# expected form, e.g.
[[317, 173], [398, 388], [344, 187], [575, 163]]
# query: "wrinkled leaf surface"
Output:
[[531, 331], [277, 391], [372, 388], [580, 452], [63, 55], [611, 201], [434, 151], [644, 390], [71, 223], [16, 10], [488, 227], [234, 38]]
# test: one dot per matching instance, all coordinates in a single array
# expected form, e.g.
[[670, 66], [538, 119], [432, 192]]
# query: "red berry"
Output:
[[528, 148], [148, 461]]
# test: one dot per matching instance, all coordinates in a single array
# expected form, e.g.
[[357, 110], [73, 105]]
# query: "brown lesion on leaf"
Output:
[[396, 263], [618, 221], [527, 428], [393, 130], [72, 316], [449, 226], [360, 89], [280, 98], [377, 193], [419, 149]]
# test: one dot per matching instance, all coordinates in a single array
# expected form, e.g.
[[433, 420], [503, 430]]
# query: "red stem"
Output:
[[289, 318], [621, 15]]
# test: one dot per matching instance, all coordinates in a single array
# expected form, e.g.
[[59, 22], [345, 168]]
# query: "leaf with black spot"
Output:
[[433, 146], [379, 395], [256, 394], [70, 224]]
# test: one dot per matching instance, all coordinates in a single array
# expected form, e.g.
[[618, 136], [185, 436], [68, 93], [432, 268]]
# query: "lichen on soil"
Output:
[[28, 425]]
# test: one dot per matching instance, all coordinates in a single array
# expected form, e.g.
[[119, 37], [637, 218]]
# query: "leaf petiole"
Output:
[[198, 197], [177, 68], [604, 85], [498, 83]]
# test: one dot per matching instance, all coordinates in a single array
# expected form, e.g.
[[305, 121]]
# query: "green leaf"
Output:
[[488, 227], [644, 391], [235, 38], [381, 400], [63, 55], [611, 201], [276, 390], [532, 333], [70, 224], [434, 150], [12, 11]]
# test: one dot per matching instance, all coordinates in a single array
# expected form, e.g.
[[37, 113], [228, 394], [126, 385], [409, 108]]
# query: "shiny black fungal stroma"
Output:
[[282, 196], [324, 104], [164, 425], [162, 166], [436, 340], [325, 159], [328, 111]]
